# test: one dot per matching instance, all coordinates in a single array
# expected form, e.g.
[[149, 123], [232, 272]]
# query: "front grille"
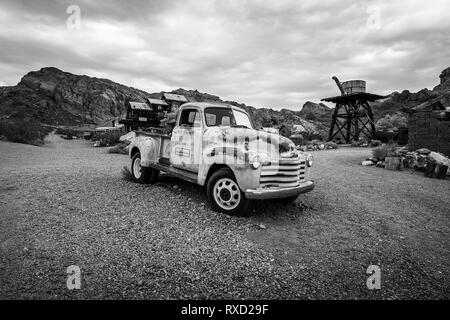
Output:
[[283, 174]]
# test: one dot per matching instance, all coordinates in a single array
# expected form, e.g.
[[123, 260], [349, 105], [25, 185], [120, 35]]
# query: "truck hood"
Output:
[[264, 144]]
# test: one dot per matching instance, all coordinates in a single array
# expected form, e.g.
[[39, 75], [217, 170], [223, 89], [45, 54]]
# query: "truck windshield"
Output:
[[227, 117]]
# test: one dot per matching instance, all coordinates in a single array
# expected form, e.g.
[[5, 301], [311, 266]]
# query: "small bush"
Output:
[[126, 174], [375, 143], [67, 132], [392, 122], [24, 131], [108, 139], [381, 152]]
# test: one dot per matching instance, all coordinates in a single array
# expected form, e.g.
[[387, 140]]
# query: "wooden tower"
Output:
[[352, 117]]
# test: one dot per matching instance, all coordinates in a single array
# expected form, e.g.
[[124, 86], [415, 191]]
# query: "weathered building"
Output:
[[138, 115], [429, 127], [174, 100], [144, 115]]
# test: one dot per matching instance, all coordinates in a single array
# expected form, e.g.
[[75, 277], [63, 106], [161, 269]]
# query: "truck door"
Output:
[[186, 141]]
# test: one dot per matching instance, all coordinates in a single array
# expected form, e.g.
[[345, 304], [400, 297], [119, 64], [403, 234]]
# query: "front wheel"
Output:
[[142, 174], [224, 193]]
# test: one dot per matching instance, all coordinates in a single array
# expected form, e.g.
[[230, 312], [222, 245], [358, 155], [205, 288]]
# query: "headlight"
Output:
[[309, 160], [255, 164]]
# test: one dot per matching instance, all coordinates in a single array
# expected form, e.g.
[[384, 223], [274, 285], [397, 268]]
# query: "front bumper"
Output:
[[278, 193]]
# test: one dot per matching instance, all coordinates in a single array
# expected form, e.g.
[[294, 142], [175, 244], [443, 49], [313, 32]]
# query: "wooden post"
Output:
[[393, 163], [333, 122], [349, 126], [371, 119], [356, 122]]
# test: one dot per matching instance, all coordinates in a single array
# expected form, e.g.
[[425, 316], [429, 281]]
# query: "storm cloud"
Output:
[[262, 53]]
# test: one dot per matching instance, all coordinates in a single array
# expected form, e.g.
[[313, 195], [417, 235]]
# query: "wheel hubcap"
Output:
[[137, 170], [227, 194]]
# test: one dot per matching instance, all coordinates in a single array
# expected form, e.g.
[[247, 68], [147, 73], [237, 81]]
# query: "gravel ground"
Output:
[[67, 204]]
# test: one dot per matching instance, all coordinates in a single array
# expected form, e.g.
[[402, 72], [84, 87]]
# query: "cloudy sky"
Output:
[[262, 53]]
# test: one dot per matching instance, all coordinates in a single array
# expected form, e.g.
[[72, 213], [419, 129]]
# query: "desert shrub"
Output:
[[360, 143], [107, 139], [24, 131], [126, 174], [68, 132], [357, 143], [381, 152], [331, 145], [392, 122], [375, 143]]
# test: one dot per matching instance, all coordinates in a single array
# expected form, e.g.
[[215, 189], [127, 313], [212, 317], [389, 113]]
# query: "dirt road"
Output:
[[66, 204]]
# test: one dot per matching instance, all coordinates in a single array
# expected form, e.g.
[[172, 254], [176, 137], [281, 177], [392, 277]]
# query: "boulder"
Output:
[[423, 151], [438, 158]]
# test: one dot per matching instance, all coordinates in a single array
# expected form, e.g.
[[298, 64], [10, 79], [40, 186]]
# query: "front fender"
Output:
[[235, 158]]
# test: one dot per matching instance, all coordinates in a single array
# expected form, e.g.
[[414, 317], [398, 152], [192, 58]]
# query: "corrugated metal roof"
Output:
[[431, 105], [139, 106], [175, 97], [157, 102]]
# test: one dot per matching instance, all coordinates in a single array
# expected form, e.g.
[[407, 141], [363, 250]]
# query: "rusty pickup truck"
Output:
[[216, 146]]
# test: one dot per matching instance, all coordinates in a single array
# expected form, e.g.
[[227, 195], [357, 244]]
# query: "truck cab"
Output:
[[217, 146]]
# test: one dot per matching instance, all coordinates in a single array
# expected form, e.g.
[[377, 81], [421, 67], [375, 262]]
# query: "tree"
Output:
[[392, 122]]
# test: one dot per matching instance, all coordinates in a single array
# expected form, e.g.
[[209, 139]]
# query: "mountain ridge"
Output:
[[55, 97]]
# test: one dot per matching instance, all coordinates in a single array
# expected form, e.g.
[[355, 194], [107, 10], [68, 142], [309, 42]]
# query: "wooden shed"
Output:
[[429, 127], [144, 115], [138, 115], [174, 100]]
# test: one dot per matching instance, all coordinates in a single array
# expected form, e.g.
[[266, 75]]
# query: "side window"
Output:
[[190, 118], [210, 119], [226, 121]]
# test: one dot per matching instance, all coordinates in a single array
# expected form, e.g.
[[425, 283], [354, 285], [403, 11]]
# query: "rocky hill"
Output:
[[398, 102], [54, 97]]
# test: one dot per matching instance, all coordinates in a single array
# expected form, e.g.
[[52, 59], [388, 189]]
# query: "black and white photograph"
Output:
[[224, 154]]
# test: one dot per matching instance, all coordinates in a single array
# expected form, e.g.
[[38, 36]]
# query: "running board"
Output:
[[175, 172]]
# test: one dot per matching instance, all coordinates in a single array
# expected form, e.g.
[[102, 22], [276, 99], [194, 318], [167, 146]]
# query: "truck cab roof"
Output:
[[203, 105]]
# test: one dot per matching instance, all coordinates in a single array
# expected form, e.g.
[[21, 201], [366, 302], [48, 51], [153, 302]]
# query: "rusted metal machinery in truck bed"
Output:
[[217, 146]]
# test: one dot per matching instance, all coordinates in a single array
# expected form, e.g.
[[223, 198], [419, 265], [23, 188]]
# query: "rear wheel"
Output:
[[225, 195], [142, 174]]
